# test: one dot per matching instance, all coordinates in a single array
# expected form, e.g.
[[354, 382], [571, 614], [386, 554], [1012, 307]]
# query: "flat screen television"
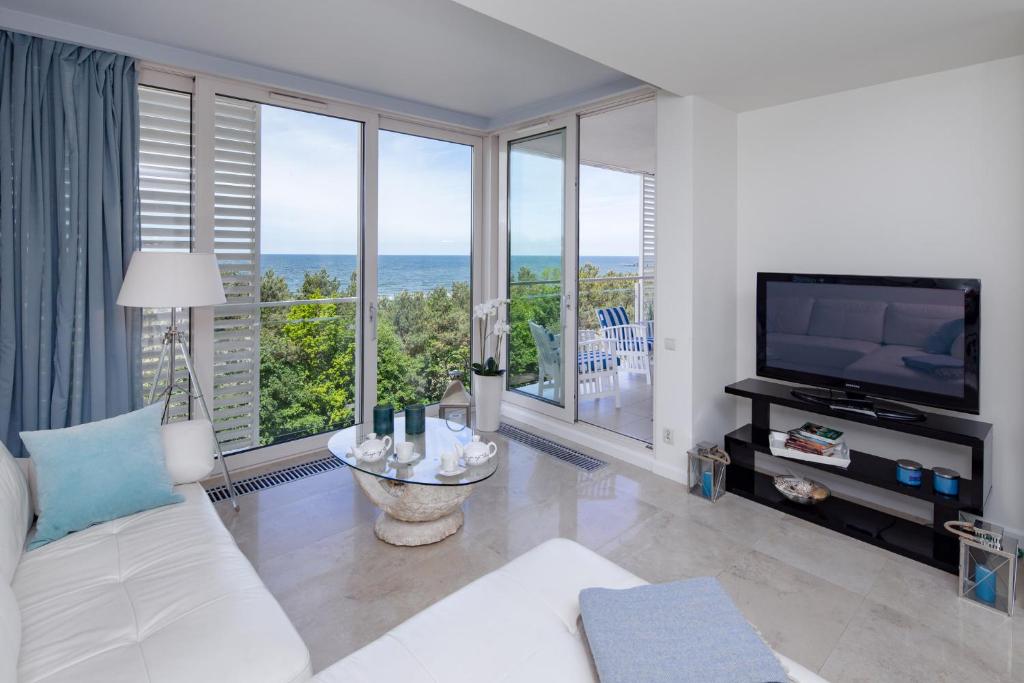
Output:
[[903, 338]]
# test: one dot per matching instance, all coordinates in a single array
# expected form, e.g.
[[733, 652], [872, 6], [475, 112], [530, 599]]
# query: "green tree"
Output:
[[307, 351]]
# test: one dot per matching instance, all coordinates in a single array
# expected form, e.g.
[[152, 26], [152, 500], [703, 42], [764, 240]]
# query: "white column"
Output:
[[696, 209]]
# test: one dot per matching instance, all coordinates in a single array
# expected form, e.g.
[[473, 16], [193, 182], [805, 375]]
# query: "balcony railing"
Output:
[[537, 301], [594, 293]]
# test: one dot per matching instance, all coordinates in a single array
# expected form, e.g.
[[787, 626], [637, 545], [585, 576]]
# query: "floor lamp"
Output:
[[165, 279]]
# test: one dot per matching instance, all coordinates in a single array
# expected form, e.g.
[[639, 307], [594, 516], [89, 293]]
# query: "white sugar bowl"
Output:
[[373, 449], [476, 451]]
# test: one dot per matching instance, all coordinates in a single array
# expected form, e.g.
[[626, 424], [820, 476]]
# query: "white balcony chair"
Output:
[[597, 367], [633, 341], [549, 361]]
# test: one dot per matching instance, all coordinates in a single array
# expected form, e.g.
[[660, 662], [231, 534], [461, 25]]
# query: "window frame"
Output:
[[204, 90]]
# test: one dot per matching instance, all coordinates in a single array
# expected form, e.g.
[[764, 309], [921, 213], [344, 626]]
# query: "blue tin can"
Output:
[[946, 481], [908, 472]]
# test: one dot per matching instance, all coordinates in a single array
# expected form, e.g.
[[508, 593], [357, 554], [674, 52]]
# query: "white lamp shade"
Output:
[[167, 279]]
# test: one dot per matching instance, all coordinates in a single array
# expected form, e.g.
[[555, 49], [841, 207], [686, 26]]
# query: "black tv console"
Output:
[[926, 542]]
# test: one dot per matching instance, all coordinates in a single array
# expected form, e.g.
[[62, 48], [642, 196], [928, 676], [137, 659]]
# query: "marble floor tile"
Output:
[[846, 562], [667, 547], [929, 596], [882, 644], [799, 614]]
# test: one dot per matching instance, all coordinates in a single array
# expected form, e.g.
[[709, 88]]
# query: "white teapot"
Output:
[[373, 449], [476, 451]]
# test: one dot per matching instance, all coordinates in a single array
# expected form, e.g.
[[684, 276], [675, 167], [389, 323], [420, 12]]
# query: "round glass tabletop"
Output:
[[425, 467]]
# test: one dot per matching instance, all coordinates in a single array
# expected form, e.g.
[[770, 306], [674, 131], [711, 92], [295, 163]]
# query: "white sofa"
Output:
[[518, 623], [166, 596], [163, 595]]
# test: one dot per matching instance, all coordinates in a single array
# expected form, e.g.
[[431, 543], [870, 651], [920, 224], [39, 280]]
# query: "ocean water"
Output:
[[417, 273]]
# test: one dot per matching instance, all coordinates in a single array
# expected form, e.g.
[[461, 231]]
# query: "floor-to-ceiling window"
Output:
[[287, 206], [425, 222], [346, 252]]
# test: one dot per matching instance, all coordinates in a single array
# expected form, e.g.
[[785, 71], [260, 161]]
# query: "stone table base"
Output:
[[413, 514]]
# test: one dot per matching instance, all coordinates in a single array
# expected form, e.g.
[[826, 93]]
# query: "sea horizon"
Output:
[[418, 272]]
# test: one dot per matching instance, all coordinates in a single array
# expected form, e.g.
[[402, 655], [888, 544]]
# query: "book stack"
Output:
[[811, 443], [815, 439]]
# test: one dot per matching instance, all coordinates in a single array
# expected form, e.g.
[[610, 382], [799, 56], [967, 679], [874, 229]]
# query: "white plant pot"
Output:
[[487, 401]]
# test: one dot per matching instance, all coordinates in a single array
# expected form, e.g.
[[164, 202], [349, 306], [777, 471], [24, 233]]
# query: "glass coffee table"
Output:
[[419, 504]]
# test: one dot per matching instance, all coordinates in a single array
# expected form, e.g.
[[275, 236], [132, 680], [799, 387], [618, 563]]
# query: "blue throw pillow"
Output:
[[679, 632], [98, 471], [941, 340]]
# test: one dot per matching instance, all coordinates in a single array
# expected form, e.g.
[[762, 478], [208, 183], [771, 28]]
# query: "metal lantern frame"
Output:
[[707, 459], [988, 564]]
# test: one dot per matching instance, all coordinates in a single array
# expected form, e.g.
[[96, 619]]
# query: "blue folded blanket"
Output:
[[674, 632]]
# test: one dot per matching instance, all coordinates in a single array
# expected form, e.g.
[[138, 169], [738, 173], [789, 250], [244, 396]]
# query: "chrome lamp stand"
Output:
[[174, 341]]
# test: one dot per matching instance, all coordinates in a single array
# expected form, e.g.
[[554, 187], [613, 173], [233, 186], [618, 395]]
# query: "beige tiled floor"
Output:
[[634, 417], [844, 608]]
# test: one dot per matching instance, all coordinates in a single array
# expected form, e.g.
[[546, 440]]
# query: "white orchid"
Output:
[[488, 315]]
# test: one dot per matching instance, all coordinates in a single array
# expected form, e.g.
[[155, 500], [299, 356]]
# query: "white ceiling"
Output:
[[747, 54], [434, 52]]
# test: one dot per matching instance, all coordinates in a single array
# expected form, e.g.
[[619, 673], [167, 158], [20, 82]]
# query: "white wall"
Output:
[[695, 276], [923, 176]]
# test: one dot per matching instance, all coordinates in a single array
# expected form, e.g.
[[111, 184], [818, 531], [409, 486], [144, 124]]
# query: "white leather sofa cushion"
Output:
[[10, 634], [518, 623], [188, 450], [15, 514], [15, 517], [164, 595]]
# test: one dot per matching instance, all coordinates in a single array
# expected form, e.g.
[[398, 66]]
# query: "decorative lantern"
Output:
[[988, 563], [455, 401], [706, 471]]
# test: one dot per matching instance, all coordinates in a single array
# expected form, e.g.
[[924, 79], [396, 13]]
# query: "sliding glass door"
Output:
[[426, 224], [538, 266]]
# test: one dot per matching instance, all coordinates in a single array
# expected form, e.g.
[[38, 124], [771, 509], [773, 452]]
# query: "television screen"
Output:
[[913, 339]]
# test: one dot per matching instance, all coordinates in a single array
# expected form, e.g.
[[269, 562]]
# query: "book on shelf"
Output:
[[794, 444], [796, 440], [816, 432]]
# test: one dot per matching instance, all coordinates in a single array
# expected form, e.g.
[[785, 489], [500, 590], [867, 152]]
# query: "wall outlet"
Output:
[[670, 344], [668, 436]]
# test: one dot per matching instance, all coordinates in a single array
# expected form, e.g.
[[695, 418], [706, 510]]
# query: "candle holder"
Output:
[[415, 418], [383, 419]]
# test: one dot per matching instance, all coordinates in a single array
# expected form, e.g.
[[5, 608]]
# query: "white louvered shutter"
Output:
[[165, 198], [647, 252], [236, 242]]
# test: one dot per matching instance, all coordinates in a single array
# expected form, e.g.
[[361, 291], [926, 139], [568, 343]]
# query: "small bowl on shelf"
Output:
[[800, 490]]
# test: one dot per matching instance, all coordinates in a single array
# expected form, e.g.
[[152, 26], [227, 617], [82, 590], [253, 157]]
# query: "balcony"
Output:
[[534, 359]]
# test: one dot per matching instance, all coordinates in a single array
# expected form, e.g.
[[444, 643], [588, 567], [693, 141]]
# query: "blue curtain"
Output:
[[69, 222]]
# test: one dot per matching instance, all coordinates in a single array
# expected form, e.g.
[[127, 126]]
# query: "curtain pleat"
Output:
[[69, 222]]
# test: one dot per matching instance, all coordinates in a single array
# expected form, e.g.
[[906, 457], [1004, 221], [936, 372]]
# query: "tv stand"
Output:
[[924, 541], [859, 403]]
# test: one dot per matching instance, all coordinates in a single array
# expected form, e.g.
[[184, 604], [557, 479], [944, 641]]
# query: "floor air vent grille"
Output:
[[276, 478], [557, 450]]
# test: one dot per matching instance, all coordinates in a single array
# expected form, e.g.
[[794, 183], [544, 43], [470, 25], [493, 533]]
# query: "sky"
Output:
[[309, 199]]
